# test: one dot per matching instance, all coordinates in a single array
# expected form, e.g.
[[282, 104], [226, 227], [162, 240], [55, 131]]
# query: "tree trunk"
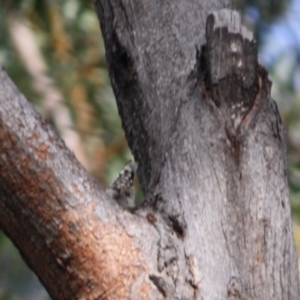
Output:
[[210, 146], [215, 222]]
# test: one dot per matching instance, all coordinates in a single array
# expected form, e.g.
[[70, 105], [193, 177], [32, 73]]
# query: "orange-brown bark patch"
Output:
[[105, 257]]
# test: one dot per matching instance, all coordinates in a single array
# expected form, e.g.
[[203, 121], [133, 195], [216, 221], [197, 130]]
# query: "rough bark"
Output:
[[80, 244], [215, 223], [209, 143]]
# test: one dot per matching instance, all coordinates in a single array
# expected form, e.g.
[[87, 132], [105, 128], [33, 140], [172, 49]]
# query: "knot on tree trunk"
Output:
[[232, 75]]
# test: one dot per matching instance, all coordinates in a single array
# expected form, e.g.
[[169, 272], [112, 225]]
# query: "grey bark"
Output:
[[198, 116], [210, 147]]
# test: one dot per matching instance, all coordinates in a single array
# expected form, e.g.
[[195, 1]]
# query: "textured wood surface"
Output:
[[199, 119], [209, 142]]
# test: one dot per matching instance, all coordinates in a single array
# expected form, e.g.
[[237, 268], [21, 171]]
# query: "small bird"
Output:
[[122, 189]]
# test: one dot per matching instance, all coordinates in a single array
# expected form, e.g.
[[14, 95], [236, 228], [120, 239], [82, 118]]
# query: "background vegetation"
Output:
[[54, 53]]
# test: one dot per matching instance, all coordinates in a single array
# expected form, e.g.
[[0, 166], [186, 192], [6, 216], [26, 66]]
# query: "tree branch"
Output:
[[77, 241], [207, 136]]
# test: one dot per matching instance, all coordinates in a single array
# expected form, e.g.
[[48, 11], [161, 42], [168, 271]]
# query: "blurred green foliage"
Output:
[[67, 40]]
